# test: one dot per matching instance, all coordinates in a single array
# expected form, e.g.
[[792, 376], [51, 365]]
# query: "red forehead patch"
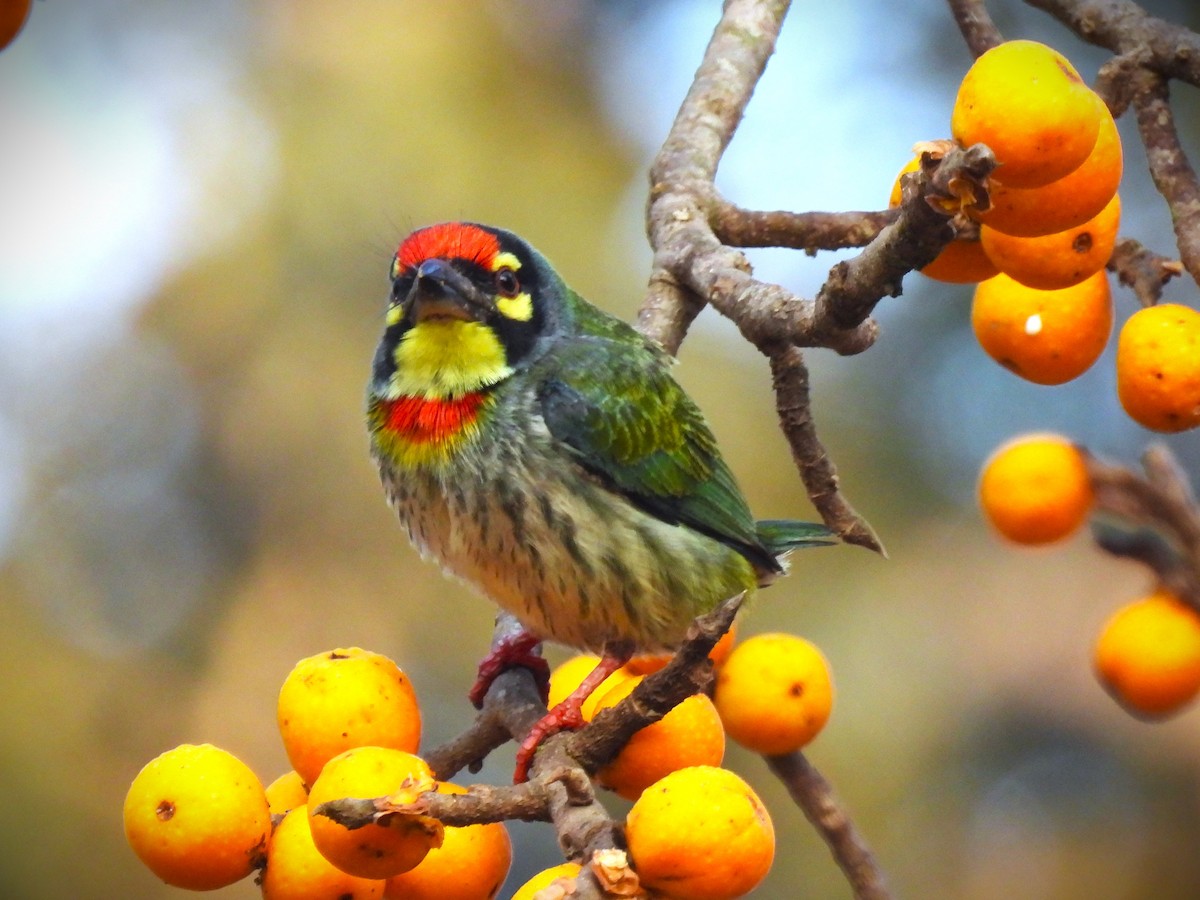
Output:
[[450, 240]]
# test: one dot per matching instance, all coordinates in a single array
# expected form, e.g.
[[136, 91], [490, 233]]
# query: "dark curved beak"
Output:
[[440, 291]]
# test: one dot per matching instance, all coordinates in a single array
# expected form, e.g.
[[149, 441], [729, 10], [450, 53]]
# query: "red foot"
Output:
[[515, 650], [567, 716]]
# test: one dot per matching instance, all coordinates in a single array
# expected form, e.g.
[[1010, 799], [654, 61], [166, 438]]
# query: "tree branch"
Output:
[[814, 795], [977, 27], [1124, 27], [682, 174], [1152, 519], [913, 240], [1172, 173], [790, 378], [807, 231]]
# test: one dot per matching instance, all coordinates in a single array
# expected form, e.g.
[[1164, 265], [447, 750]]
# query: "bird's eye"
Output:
[[507, 284]]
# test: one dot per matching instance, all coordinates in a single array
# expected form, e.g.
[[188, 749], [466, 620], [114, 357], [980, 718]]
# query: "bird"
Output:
[[540, 449]]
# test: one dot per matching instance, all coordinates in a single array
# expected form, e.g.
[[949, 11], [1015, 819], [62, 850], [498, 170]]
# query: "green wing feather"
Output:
[[611, 400]]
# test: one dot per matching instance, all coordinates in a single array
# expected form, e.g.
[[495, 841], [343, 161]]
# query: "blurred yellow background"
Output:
[[198, 205]]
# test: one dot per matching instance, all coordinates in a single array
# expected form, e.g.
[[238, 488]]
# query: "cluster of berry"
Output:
[[199, 818], [1036, 490], [1042, 305]]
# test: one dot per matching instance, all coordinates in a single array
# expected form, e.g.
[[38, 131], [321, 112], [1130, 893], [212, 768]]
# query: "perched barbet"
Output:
[[539, 449]]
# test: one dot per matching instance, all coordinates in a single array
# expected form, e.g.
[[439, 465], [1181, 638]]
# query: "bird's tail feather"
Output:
[[781, 536]]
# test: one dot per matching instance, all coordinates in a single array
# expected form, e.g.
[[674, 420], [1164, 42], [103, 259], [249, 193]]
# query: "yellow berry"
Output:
[[1148, 655], [375, 850], [545, 878], [197, 817], [1064, 203], [649, 663], [700, 833], [1047, 337], [569, 675], [1035, 489], [1058, 260], [341, 699], [688, 735], [775, 694], [297, 871], [471, 864], [1158, 367], [286, 792], [1027, 102], [961, 261], [592, 704]]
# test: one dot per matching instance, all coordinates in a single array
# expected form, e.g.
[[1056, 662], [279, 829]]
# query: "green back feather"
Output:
[[607, 394]]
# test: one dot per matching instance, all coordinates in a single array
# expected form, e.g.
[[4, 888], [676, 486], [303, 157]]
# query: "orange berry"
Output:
[[286, 792], [197, 817], [591, 705], [649, 663], [471, 864], [689, 735], [1058, 260], [341, 699], [545, 878], [775, 693], [700, 833], [568, 675], [1035, 489], [897, 193], [1158, 367], [722, 648], [296, 871], [961, 261], [1047, 337], [1071, 200], [1027, 102], [1148, 655], [13, 14], [397, 843]]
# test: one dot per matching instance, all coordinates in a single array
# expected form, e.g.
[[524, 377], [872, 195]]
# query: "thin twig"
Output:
[[479, 805], [1151, 518], [468, 750], [814, 795], [1173, 174], [790, 378], [977, 27]]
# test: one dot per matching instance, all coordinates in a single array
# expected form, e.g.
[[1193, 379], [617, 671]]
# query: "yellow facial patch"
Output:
[[505, 261], [520, 307], [442, 358]]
